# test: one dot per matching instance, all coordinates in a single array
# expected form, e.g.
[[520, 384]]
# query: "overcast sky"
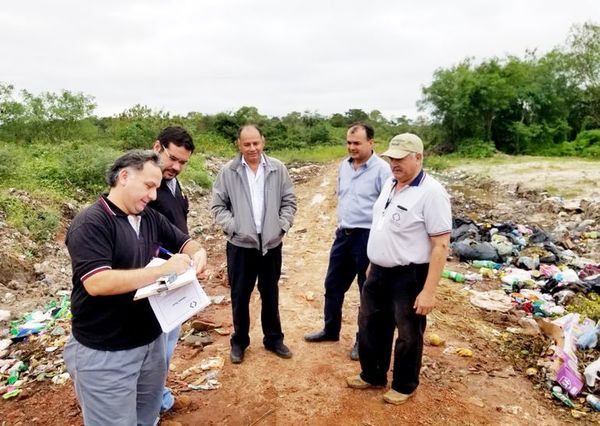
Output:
[[279, 56]]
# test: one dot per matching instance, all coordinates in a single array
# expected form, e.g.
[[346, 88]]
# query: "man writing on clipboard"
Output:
[[116, 353]]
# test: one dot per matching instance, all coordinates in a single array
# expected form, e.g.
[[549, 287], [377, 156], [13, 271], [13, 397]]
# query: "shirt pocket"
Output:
[[398, 216]]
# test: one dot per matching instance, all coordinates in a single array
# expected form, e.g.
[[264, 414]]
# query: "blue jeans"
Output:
[[347, 260], [387, 302], [170, 342]]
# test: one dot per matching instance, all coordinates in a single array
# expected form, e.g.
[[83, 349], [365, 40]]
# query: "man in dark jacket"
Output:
[[174, 146]]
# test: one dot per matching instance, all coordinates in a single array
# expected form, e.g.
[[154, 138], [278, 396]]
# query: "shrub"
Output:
[[436, 162], [10, 160], [196, 173], [35, 219], [137, 136], [80, 168], [476, 148]]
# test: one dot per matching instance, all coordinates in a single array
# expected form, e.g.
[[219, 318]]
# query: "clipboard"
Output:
[[176, 299], [166, 283]]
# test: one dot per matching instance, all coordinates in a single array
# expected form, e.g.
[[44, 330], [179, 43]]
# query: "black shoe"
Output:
[[236, 355], [280, 350], [320, 336], [354, 352]]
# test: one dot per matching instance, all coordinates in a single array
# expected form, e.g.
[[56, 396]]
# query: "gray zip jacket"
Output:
[[232, 204]]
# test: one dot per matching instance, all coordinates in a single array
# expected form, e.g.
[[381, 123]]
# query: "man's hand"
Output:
[[199, 259], [424, 303], [178, 264]]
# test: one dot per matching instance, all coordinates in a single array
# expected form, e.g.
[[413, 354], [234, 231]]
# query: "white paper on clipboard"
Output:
[[176, 305]]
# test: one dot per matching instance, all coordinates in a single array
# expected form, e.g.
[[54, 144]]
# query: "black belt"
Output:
[[350, 231]]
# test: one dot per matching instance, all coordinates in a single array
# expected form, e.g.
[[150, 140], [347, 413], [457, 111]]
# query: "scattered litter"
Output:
[[435, 340], [464, 352], [220, 299], [493, 300]]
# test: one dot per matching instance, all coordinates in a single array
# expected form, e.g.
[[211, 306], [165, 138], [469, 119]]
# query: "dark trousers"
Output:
[[386, 303], [347, 259], [244, 266]]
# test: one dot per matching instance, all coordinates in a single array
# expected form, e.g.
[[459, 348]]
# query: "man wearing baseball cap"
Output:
[[407, 248]]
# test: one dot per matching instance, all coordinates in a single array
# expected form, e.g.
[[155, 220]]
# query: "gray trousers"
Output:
[[118, 387]]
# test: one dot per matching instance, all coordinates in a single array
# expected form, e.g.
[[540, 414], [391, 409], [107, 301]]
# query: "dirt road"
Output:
[[310, 388]]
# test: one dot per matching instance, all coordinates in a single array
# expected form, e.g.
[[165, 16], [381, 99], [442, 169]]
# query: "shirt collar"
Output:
[[111, 208], [366, 163], [262, 161], [416, 181]]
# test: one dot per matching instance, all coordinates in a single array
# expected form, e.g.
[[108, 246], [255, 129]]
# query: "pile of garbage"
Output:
[[539, 274], [31, 347]]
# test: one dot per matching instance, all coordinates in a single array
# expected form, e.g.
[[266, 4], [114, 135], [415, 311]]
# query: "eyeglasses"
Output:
[[173, 158]]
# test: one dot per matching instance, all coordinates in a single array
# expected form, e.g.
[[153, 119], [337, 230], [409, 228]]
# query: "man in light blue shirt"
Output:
[[360, 179]]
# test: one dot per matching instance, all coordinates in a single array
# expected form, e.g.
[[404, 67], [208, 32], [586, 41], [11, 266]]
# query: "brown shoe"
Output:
[[356, 382], [397, 398], [182, 402]]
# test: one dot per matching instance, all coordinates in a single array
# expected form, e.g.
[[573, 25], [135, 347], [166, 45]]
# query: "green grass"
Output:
[[318, 154]]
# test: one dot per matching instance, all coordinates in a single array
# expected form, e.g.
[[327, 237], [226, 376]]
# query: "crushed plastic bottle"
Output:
[[593, 401], [486, 272], [454, 276], [557, 393], [486, 264], [14, 371], [473, 277]]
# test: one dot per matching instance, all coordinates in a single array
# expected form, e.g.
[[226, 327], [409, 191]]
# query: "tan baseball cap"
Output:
[[402, 145]]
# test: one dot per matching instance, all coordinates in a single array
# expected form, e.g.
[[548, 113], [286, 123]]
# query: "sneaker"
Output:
[[356, 382], [396, 398]]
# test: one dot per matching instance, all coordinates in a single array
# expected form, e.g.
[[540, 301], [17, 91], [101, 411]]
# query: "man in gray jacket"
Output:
[[254, 203]]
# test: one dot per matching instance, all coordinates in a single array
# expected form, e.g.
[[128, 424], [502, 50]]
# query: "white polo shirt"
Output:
[[403, 221]]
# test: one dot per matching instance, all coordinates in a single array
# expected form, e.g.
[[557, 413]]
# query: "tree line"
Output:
[[539, 104]]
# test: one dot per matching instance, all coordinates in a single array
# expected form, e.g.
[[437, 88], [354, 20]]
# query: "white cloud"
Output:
[[322, 56]]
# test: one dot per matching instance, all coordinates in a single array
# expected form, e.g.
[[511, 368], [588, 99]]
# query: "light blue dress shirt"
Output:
[[358, 190]]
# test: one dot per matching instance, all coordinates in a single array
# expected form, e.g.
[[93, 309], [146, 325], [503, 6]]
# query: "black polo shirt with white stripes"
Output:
[[100, 238]]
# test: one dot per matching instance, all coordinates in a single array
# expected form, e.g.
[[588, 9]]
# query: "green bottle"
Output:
[[454, 276]]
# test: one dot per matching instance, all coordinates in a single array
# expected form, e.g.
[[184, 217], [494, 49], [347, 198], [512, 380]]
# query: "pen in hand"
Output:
[[165, 251]]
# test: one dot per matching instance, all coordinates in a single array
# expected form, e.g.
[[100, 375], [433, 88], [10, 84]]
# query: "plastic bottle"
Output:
[[558, 394], [454, 276], [486, 264], [593, 235], [473, 277], [13, 372], [594, 401]]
